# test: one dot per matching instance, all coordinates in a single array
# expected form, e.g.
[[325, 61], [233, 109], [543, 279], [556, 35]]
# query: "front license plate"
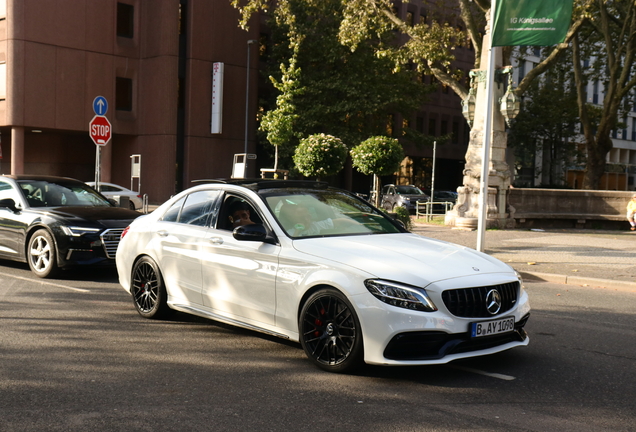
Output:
[[489, 328]]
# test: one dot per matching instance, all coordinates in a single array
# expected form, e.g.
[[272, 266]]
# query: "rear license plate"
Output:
[[489, 328]]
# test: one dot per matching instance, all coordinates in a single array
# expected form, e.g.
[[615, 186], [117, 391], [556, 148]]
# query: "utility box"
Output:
[[122, 201], [239, 168]]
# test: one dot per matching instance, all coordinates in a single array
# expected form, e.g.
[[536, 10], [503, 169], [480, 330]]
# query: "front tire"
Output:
[[148, 290], [330, 332], [42, 254]]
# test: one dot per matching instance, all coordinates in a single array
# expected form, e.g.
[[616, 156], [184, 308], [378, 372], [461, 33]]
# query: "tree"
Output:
[[431, 44], [377, 156], [546, 126], [609, 41], [320, 155], [324, 87]]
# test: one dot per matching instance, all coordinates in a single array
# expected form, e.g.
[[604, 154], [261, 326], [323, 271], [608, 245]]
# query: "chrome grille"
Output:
[[471, 302], [110, 240]]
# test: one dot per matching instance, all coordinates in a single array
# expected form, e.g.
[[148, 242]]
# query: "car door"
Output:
[[13, 225], [181, 236], [239, 277]]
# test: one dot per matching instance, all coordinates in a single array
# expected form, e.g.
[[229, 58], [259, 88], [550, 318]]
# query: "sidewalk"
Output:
[[578, 257]]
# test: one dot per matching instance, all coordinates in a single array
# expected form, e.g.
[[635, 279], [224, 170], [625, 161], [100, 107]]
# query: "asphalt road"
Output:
[[75, 356]]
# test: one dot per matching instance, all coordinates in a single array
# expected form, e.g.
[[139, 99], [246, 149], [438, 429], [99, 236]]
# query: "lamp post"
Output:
[[247, 97]]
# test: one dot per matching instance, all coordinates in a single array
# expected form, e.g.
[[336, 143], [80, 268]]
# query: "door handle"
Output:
[[162, 233], [216, 240]]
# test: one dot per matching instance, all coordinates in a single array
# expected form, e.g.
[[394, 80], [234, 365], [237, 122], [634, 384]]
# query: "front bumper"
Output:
[[405, 337], [94, 250]]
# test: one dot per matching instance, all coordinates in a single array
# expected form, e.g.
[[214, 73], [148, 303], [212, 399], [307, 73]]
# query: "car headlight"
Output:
[[520, 279], [74, 231], [400, 295]]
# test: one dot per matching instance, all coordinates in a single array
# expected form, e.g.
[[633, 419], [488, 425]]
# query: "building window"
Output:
[[3, 80], [432, 127], [410, 19], [389, 125], [419, 123], [522, 69], [125, 20], [406, 124], [123, 94]]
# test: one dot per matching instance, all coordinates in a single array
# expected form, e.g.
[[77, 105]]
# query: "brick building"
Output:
[[153, 62]]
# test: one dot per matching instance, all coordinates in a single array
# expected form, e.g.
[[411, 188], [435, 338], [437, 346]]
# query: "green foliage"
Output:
[[322, 86], [378, 155], [403, 215], [320, 155], [546, 126]]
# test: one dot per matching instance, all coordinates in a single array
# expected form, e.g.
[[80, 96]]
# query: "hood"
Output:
[[408, 258], [109, 217]]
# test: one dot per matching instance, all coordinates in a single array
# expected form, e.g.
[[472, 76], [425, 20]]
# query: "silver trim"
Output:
[[215, 317], [110, 241]]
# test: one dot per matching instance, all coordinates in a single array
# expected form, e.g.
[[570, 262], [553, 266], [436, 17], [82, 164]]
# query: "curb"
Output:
[[581, 281]]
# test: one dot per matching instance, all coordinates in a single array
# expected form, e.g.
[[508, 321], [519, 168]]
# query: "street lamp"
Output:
[[509, 105], [247, 96]]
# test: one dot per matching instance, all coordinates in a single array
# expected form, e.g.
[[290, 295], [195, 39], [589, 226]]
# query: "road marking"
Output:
[[480, 372], [46, 283]]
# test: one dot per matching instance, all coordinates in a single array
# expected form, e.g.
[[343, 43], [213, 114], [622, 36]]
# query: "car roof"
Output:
[[257, 184], [47, 178]]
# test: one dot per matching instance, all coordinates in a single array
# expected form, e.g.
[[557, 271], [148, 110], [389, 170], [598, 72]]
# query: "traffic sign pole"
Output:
[[100, 131]]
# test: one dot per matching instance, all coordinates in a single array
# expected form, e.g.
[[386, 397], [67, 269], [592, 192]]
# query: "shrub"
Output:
[[378, 155], [320, 155], [403, 215]]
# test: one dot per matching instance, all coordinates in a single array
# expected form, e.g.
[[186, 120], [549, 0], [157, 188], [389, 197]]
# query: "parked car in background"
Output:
[[442, 197], [56, 222], [320, 266], [401, 196], [111, 190]]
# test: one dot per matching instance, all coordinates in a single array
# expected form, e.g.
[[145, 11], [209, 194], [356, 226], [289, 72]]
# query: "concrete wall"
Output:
[[568, 208]]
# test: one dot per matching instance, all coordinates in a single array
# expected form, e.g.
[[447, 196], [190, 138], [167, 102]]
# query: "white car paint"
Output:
[[261, 286]]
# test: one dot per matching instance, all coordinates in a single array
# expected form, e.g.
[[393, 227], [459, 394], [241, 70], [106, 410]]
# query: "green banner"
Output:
[[531, 22]]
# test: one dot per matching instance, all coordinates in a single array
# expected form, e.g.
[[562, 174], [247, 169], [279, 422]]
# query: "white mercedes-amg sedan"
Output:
[[319, 266]]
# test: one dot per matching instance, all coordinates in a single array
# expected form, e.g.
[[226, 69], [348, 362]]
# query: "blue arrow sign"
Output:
[[100, 105]]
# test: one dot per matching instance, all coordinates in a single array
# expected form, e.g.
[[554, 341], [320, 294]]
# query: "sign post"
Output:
[[100, 131]]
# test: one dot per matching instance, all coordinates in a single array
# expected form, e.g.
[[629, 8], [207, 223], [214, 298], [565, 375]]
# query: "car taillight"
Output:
[[125, 231]]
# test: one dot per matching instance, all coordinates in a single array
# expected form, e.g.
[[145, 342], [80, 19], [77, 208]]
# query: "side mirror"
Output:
[[253, 232], [8, 203]]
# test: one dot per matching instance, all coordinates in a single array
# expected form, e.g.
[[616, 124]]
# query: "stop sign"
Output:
[[100, 130]]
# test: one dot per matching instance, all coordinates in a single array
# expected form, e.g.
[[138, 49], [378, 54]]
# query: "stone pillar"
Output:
[[17, 150], [466, 212]]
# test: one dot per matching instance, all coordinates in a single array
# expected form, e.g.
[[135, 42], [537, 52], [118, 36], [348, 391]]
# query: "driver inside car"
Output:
[[240, 215]]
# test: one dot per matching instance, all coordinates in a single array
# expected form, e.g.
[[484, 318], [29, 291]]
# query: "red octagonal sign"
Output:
[[100, 130]]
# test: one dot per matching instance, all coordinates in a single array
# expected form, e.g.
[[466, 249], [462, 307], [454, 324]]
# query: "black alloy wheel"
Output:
[[148, 291], [330, 332]]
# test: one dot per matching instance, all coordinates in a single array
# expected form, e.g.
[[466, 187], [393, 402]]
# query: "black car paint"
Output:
[[19, 222]]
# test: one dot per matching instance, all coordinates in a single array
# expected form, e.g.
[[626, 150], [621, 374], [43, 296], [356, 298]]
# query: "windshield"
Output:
[[408, 190], [319, 213], [40, 193]]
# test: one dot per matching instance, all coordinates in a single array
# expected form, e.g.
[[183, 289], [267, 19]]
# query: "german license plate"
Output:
[[489, 328]]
